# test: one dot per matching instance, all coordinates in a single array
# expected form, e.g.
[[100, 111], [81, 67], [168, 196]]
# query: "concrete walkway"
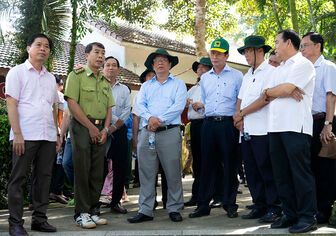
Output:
[[215, 224]]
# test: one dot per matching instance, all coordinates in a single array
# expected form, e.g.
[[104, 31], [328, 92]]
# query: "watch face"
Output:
[[326, 122]]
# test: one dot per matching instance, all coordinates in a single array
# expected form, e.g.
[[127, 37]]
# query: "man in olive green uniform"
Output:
[[90, 100]]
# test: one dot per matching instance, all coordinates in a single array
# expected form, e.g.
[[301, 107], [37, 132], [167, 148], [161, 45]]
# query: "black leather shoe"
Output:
[[43, 227], [200, 211], [118, 209], [232, 213], [139, 218], [269, 217], [303, 227], [215, 204], [17, 230], [283, 222], [175, 216], [254, 214], [250, 206], [191, 202]]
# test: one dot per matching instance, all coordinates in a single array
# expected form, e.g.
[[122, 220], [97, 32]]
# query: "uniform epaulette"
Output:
[[79, 69], [107, 79]]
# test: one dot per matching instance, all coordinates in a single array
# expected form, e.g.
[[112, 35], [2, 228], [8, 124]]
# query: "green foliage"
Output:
[[5, 155]]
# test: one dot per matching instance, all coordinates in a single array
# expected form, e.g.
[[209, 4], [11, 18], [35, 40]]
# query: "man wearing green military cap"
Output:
[[251, 119], [196, 116], [220, 87], [90, 100]]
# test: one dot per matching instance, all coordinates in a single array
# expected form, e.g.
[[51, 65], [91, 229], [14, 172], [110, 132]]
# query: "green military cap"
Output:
[[254, 41], [161, 51], [220, 45], [143, 75], [204, 61]]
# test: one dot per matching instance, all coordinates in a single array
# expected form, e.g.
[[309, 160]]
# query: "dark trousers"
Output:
[[324, 170], [58, 179], [290, 156], [118, 152], [41, 154], [259, 174], [219, 144], [88, 163], [195, 138]]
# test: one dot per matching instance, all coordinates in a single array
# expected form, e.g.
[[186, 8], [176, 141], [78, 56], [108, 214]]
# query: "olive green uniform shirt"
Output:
[[92, 94]]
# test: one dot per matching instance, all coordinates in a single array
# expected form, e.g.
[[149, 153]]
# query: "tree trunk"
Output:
[[312, 19], [200, 29], [294, 17], [275, 11], [72, 51]]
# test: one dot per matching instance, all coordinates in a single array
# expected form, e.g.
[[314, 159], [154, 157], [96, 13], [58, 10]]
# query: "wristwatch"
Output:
[[241, 113], [327, 123], [107, 130]]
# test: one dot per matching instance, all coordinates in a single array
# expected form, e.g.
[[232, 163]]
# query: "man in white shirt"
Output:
[[196, 116], [117, 143], [323, 111], [290, 130], [255, 141]]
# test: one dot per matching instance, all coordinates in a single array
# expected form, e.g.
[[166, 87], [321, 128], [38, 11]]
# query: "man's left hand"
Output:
[[119, 123], [326, 134], [237, 117], [58, 144], [103, 137]]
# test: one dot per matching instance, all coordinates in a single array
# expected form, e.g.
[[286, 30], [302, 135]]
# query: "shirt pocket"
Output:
[[88, 93], [228, 90]]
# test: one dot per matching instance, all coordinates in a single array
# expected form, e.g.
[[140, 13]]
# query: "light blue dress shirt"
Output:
[[165, 101], [325, 81], [220, 91]]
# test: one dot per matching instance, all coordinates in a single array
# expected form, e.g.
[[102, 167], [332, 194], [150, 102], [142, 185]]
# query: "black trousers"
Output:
[[290, 156], [324, 170], [219, 145], [118, 153], [259, 173], [195, 138], [41, 155]]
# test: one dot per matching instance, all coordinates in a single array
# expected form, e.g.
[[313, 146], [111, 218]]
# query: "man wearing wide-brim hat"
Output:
[[161, 101], [251, 119], [220, 87], [196, 116]]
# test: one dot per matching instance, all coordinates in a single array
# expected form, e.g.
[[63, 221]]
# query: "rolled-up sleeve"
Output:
[[72, 87]]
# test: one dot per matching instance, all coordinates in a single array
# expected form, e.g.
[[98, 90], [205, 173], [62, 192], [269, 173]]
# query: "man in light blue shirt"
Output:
[[220, 87], [161, 101]]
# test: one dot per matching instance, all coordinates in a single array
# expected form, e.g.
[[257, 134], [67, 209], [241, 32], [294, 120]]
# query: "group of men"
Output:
[[281, 115]]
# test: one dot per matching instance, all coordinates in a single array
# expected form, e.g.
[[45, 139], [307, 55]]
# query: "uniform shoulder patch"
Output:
[[79, 69]]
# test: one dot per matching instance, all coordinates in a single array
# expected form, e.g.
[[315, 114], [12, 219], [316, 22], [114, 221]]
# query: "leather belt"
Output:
[[218, 118], [319, 116], [166, 127], [97, 121]]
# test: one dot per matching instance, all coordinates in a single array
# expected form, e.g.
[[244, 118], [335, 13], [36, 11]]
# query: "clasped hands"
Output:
[[154, 123]]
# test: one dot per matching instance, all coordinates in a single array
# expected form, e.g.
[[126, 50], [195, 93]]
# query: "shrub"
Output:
[[5, 155]]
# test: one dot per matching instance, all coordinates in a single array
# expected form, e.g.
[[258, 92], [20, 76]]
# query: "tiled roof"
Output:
[[8, 51], [134, 34]]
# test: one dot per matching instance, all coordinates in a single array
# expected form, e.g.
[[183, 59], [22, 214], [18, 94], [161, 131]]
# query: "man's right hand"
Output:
[[18, 145], [297, 94], [95, 135]]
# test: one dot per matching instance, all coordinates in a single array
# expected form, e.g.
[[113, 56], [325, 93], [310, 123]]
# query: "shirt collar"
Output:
[[170, 77], [319, 61], [261, 67], [29, 66], [89, 72], [116, 83], [226, 68]]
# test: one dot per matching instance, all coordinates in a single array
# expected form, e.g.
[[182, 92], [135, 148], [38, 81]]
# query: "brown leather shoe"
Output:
[[43, 227], [118, 209], [17, 230]]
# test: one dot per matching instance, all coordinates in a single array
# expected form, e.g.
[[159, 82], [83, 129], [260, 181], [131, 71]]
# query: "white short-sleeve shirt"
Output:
[[195, 93], [285, 113], [325, 81], [252, 87]]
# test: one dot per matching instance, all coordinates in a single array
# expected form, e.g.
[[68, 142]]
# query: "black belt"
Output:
[[166, 127], [319, 116], [196, 120], [97, 121], [218, 118]]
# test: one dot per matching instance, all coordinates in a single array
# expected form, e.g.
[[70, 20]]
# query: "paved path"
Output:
[[215, 224]]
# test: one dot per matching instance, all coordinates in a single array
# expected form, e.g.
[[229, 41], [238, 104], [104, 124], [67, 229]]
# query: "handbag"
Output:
[[328, 150]]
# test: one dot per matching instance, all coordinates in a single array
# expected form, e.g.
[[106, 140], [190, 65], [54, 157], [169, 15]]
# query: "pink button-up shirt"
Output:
[[36, 93]]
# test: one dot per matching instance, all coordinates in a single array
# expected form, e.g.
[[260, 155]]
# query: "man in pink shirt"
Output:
[[31, 96]]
